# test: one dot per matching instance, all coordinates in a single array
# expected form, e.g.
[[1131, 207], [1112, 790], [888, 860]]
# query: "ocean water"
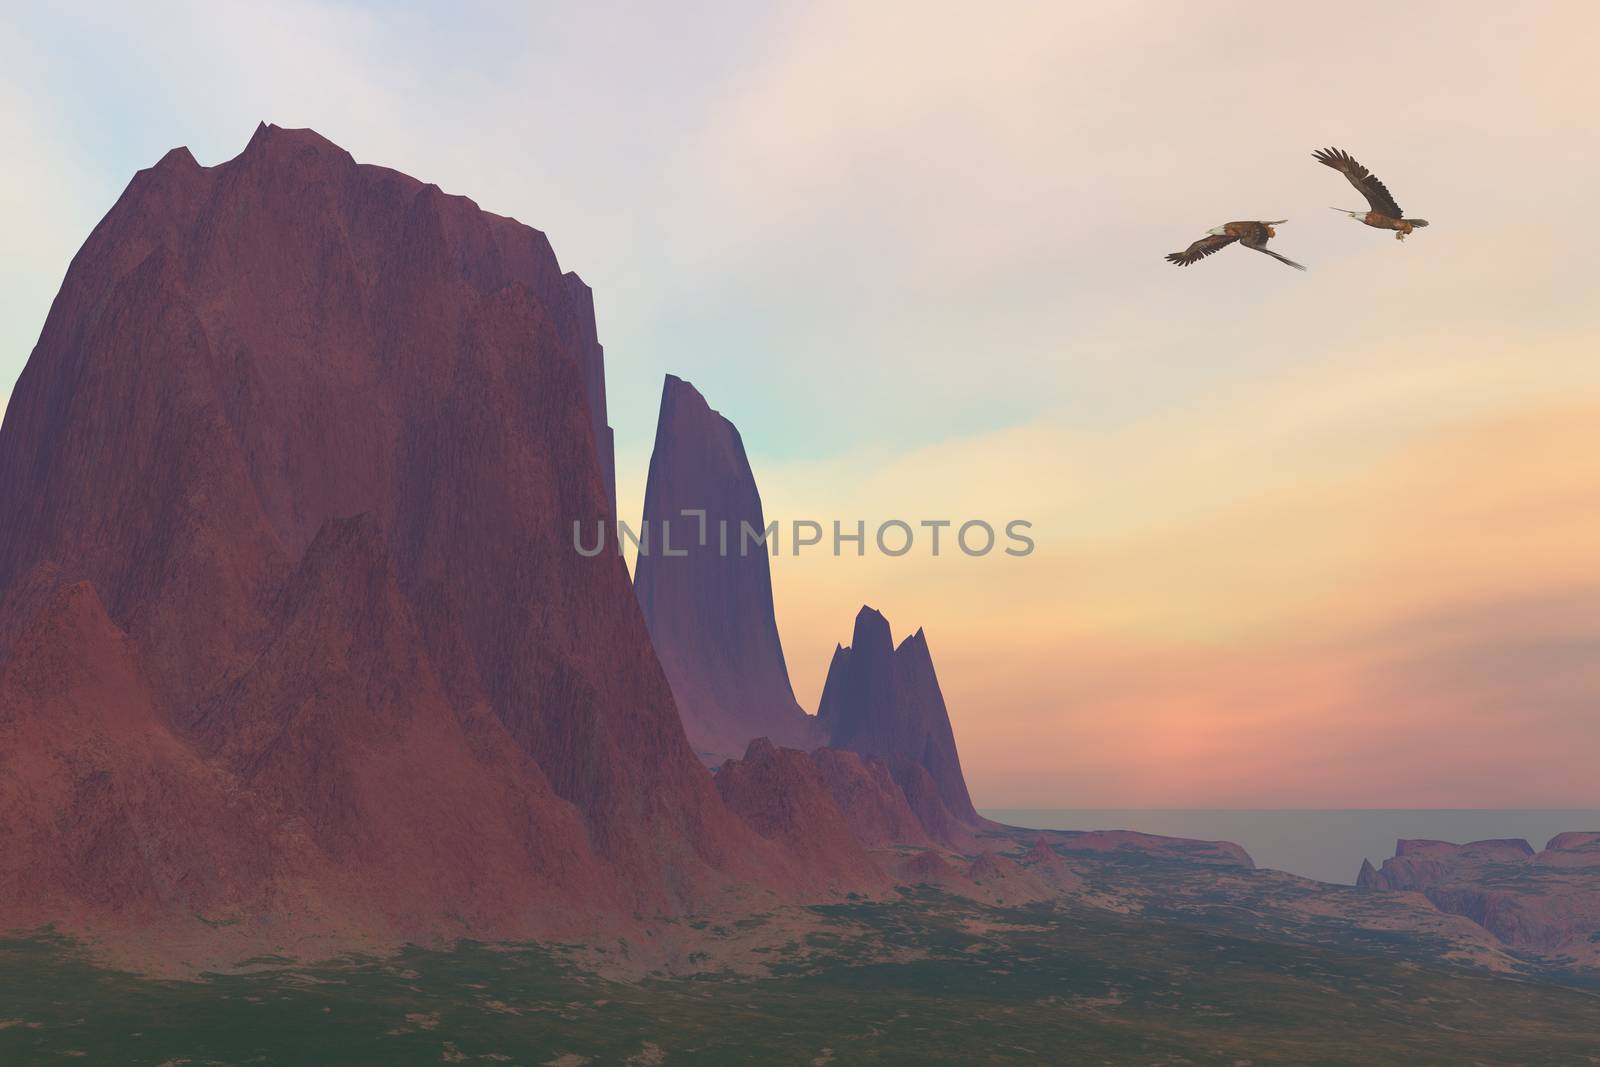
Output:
[[1326, 845]]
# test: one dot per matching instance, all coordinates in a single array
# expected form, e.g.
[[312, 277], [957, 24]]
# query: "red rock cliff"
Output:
[[441, 692]]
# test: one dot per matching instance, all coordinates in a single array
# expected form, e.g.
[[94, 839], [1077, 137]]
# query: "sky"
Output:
[[1327, 539]]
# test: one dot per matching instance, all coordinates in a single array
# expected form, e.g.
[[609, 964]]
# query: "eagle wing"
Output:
[[1363, 179], [1200, 250]]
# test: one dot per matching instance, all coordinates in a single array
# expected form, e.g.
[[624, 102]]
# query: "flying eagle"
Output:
[[1250, 234], [1385, 213]]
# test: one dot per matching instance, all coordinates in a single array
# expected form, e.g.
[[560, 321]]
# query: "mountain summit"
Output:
[[706, 591], [884, 701], [291, 623]]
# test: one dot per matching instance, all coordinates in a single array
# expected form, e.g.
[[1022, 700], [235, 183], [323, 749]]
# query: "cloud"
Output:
[[1231, 612], [969, 212], [915, 254]]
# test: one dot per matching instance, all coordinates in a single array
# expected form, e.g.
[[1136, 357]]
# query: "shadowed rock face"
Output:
[[884, 701], [240, 359], [1546, 901], [592, 366], [710, 609]]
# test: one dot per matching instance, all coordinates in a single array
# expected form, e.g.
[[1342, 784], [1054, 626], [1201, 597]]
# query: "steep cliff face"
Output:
[[1545, 901], [706, 592], [1571, 849], [884, 701], [240, 359], [592, 366], [1418, 863]]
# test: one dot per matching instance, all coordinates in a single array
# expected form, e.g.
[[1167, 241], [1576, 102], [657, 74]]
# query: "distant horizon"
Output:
[[988, 809], [1326, 844]]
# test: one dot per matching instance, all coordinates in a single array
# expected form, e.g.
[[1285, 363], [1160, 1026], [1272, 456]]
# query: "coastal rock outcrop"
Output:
[[1546, 901]]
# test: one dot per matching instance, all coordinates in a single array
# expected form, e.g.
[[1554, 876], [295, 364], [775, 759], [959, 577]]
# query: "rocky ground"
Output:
[[1103, 948], [930, 978]]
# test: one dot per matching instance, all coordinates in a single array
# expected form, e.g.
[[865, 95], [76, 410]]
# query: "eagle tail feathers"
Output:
[[1280, 259]]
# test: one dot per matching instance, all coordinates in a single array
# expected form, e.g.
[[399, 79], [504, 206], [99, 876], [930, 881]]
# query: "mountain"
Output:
[[706, 591], [298, 654], [293, 620], [706, 595], [885, 702]]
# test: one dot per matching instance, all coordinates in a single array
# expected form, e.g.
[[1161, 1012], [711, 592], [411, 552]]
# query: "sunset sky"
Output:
[[1325, 540]]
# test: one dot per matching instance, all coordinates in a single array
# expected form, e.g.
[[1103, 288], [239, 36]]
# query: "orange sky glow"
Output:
[[1327, 539]]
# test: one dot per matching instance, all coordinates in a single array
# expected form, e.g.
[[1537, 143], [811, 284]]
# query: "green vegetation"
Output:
[[927, 981]]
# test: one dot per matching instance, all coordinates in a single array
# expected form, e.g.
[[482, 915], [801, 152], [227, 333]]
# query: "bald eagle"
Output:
[[1385, 213], [1250, 234]]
